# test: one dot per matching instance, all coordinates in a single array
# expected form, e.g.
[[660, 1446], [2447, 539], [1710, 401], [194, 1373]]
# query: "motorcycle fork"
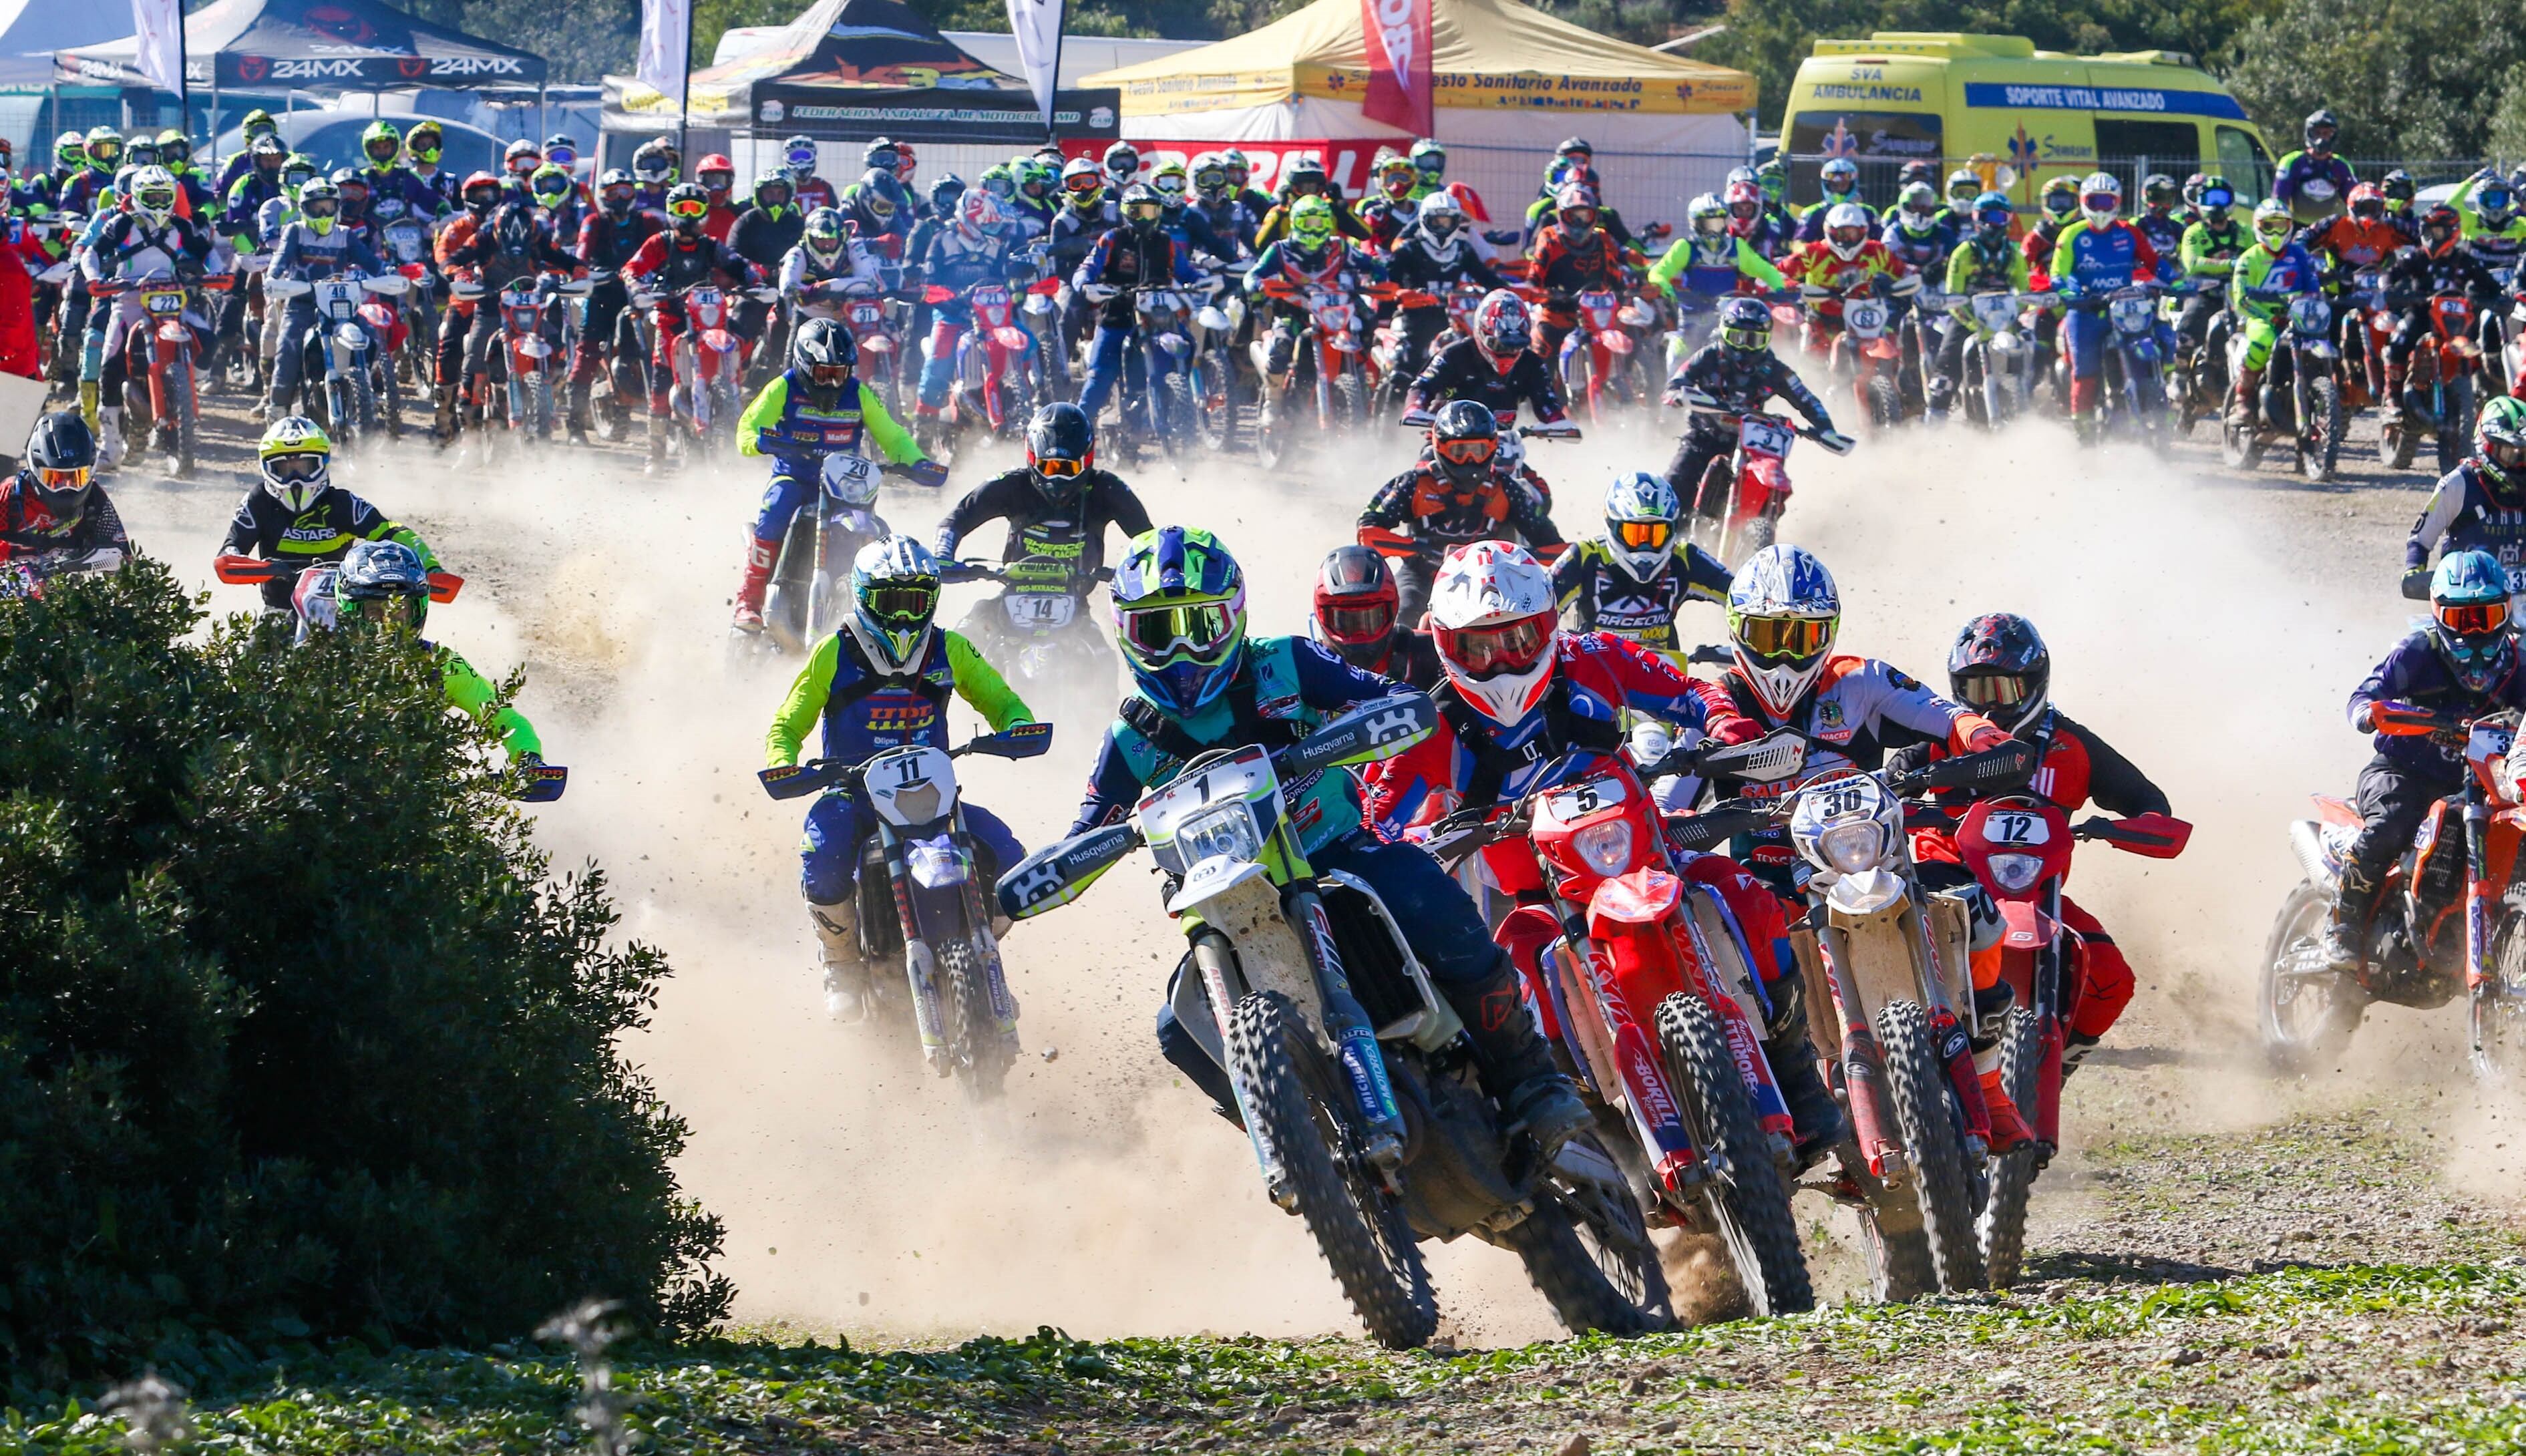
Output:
[[1323, 385], [2481, 896], [1647, 1097], [1347, 1023], [920, 970], [1863, 1070], [1951, 1036], [1744, 1036]]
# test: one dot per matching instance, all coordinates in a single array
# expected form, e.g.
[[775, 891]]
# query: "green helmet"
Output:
[[1774, 180], [2500, 439], [1035, 178], [104, 146], [297, 171], [69, 148], [174, 149], [380, 142], [1000, 182], [257, 120], [1180, 615], [1311, 221], [295, 459]]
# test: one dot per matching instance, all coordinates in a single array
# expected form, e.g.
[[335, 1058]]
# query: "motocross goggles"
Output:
[[1472, 450], [687, 209], [1083, 185], [1358, 626], [1788, 638], [1578, 218], [879, 207], [382, 148], [1210, 179], [421, 151], [1202, 632], [1752, 340], [294, 468], [2473, 618], [560, 157], [1171, 184], [2217, 199], [619, 195], [2494, 200], [1495, 647], [1054, 465], [2369, 208], [1143, 211], [73, 478], [2274, 230], [1992, 689], [1846, 237], [829, 375], [320, 207], [902, 605], [716, 180], [1645, 535], [394, 608], [2507, 455]]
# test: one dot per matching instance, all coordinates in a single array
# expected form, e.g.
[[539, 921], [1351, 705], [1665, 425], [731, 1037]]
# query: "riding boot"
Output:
[[760, 554], [2355, 900], [1791, 1051], [838, 956], [579, 411], [2394, 396], [1511, 1055], [2007, 1128], [109, 437], [443, 427], [2074, 1050], [2245, 403], [657, 460]]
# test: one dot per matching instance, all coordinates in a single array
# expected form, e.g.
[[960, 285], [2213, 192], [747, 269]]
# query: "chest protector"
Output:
[[856, 679], [1262, 706], [1565, 731]]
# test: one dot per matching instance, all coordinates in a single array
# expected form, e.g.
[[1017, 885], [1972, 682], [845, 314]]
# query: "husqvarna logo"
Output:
[[1033, 886], [1386, 727]]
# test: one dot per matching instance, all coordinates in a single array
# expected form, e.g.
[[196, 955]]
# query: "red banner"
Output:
[[1398, 33]]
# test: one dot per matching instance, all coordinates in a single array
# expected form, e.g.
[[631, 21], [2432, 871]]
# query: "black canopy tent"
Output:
[[310, 45], [853, 68]]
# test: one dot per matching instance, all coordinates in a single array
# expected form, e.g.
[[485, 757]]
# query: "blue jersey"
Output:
[[2414, 673], [2091, 260]]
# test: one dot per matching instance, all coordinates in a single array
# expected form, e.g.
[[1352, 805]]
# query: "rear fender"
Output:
[[2336, 811]]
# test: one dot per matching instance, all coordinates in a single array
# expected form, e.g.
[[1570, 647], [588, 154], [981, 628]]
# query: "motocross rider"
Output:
[[680, 258], [1916, 233], [2210, 253], [1448, 499], [2312, 184], [1987, 262], [2462, 664], [55, 519], [881, 681], [1716, 257], [2268, 274], [2347, 244], [2159, 221], [2479, 505], [1085, 217], [496, 240], [1058, 506], [1304, 178], [1632, 580], [1188, 224], [1519, 694], [826, 263], [382, 585], [1214, 195], [1358, 614], [798, 156], [1431, 256], [612, 231], [814, 408], [299, 517], [1497, 367], [1138, 254], [1391, 211], [2094, 256], [1314, 254], [1838, 180], [973, 248], [2444, 264], [1201, 684], [148, 238], [1752, 218], [1740, 373], [1839, 264], [1571, 255]]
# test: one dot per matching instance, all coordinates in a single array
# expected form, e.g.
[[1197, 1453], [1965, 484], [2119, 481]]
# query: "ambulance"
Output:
[[2017, 116]]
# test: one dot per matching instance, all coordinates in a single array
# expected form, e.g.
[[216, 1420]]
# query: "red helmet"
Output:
[[1574, 197], [1744, 206], [1356, 604], [2367, 202], [719, 184]]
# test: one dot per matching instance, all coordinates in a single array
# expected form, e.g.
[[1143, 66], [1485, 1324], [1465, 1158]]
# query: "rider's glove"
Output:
[[1417, 417], [2416, 584], [928, 473]]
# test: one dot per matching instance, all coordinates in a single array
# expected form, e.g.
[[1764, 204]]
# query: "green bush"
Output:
[[298, 1037]]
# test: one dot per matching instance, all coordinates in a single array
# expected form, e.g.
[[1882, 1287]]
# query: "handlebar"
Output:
[[796, 780]]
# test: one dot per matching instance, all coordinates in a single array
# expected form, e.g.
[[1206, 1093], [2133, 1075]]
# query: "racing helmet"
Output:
[[380, 142], [2215, 198], [653, 162], [979, 216], [1463, 440], [798, 155], [1993, 216], [2273, 224], [1840, 177], [2193, 182], [296, 458], [1915, 171], [2398, 186], [946, 192], [1441, 217], [1574, 206], [1143, 207], [60, 465], [521, 158], [174, 149], [1964, 185], [1172, 180], [1306, 176], [1180, 617], [1744, 206], [1000, 180], [2060, 198], [153, 195], [1642, 513], [561, 150], [1311, 223], [2158, 190], [1774, 179], [772, 192], [2494, 200], [2100, 198], [423, 142], [2469, 625], [1061, 449], [1916, 208], [1845, 229], [103, 147], [2322, 125], [1783, 614], [381, 583], [1355, 607], [1745, 324], [687, 208], [1396, 177], [1430, 159], [717, 177], [2368, 203], [880, 154], [1238, 168], [481, 193], [551, 185], [70, 149], [1494, 622], [320, 204], [824, 237], [2499, 441], [824, 353], [2442, 229], [1209, 176], [1502, 327], [614, 191], [1083, 184], [894, 599], [1121, 162], [2000, 669], [1709, 217]]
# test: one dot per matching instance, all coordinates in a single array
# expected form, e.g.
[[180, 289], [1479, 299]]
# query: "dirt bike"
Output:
[[1738, 504], [874, 330], [1332, 359], [2301, 397], [2446, 916], [1998, 370], [1038, 629], [2197, 380], [1351, 1072], [995, 386], [1222, 401], [810, 595], [2133, 395], [1644, 983], [2442, 375], [1863, 353], [161, 389], [2018, 846], [921, 897], [2362, 328], [1600, 358], [530, 355], [705, 364]]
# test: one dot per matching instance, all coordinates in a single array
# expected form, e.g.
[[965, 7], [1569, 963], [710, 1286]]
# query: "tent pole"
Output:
[[183, 82], [544, 124], [211, 143], [684, 97]]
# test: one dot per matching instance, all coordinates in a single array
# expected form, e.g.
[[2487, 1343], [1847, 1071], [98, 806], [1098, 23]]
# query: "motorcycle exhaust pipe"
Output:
[[2308, 841]]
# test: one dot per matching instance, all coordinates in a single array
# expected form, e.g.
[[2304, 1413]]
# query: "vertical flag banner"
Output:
[[159, 26], [1036, 24], [665, 30], [1398, 64]]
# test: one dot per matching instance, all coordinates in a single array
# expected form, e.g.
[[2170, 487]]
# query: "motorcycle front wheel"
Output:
[[980, 1052], [2497, 1012], [2002, 1225], [1917, 1084], [2456, 423], [1587, 1252], [1746, 1197], [183, 412], [2306, 1010], [1300, 1105]]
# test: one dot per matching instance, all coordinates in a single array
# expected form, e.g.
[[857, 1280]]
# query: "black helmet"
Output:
[[683, 213], [376, 577], [2157, 189], [824, 351], [2398, 186], [1306, 169], [614, 191], [2323, 119], [1142, 206], [61, 464], [1744, 324], [2000, 669], [1061, 449], [1464, 439]]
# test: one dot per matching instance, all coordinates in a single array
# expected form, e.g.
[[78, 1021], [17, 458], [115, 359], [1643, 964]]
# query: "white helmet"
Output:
[[1493, 623], [1440, 205], [153, 194], [1782, 613], [2100, 198], [1845, 229], [1640, 515]]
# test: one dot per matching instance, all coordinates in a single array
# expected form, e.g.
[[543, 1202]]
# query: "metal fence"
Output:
[[1644, 186]]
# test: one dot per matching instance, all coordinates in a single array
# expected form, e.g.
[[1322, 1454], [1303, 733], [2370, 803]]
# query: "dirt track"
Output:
[[2207, 624]]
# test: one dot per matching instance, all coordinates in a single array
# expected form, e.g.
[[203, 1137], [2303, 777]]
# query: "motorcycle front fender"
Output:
[[718, 340], [1009, 336], [2025, 927], [1644, 896], [1614, 341]]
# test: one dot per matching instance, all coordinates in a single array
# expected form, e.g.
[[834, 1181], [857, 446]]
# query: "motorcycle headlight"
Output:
[[2015, 871], [1849, 848], [1221, 829], [1605, 848]]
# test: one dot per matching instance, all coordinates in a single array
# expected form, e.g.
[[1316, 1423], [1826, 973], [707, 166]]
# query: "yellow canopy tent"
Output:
[[1508, 82]]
